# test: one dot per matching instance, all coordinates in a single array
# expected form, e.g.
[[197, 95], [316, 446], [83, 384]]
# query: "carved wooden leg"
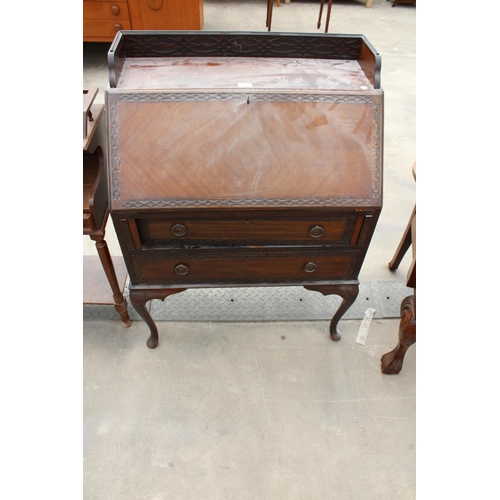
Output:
[[392, 362], [348, 293], [139, 298], [120, 302]]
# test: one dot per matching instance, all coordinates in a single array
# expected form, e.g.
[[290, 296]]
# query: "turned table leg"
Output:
[[348, 293], [120, 303], [139, 298], [392, 362]]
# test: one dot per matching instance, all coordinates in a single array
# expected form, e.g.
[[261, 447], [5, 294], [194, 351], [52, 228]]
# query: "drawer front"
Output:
[[105, 10], [239, 266], [103, 29], [248, 231]]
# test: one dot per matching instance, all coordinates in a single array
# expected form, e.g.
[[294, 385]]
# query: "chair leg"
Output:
[[329, 11], [269, 14], [320, 13]]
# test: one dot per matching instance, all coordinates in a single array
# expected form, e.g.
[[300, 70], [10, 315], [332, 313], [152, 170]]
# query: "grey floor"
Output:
[[265, 409]]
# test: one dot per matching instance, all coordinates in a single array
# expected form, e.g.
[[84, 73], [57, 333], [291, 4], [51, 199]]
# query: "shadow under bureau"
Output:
[[243, 159]]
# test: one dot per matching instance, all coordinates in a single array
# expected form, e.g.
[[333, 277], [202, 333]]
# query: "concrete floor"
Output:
[[264, 410], [246, 411]]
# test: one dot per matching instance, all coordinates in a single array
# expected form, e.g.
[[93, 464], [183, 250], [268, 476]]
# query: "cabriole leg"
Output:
[[348, 293], [139, 298]]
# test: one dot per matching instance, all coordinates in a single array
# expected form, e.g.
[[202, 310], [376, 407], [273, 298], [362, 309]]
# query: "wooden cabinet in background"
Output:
[[103, 19], [166, 14]]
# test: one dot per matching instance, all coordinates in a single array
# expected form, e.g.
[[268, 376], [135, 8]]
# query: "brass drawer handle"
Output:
[[316, 231], [310, 267], [181, 269], [179, 229]]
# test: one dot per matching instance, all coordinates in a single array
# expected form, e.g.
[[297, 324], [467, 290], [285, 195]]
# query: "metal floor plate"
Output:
[[292, 303]]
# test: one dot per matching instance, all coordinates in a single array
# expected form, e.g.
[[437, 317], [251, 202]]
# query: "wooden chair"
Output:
[[327, 14], [329, 10], [392, 362]]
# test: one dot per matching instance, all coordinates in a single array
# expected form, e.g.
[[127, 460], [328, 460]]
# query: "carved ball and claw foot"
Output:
[[139, 298], [392, 362], [348, 293]]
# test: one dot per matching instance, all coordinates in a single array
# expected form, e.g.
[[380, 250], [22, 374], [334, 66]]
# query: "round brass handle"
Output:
[[179, 229], [181, 269], [115, 10], [310, 267], [316, 231], [118, 27]]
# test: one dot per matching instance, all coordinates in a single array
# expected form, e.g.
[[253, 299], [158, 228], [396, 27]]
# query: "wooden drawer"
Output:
[[342, 229], [105, 10], [103, 30], [240, 266], [166, 14]]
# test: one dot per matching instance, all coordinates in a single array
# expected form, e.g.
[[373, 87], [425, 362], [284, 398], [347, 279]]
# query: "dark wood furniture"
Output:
[[392, 362], [411, 2], [244, 159], [102, 19], [322, 3], [95, 192], [269, 17], [328, 14]]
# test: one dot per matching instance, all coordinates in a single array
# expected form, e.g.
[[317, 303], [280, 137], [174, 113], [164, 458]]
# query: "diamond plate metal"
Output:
[[93, 312], [390, 295], [291, 303]]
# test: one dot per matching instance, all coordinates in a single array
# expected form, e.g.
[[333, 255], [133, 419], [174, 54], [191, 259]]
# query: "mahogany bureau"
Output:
[[243, 159]]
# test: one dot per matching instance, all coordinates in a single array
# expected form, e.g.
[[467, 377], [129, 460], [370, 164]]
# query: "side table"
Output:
[[95, 192]]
